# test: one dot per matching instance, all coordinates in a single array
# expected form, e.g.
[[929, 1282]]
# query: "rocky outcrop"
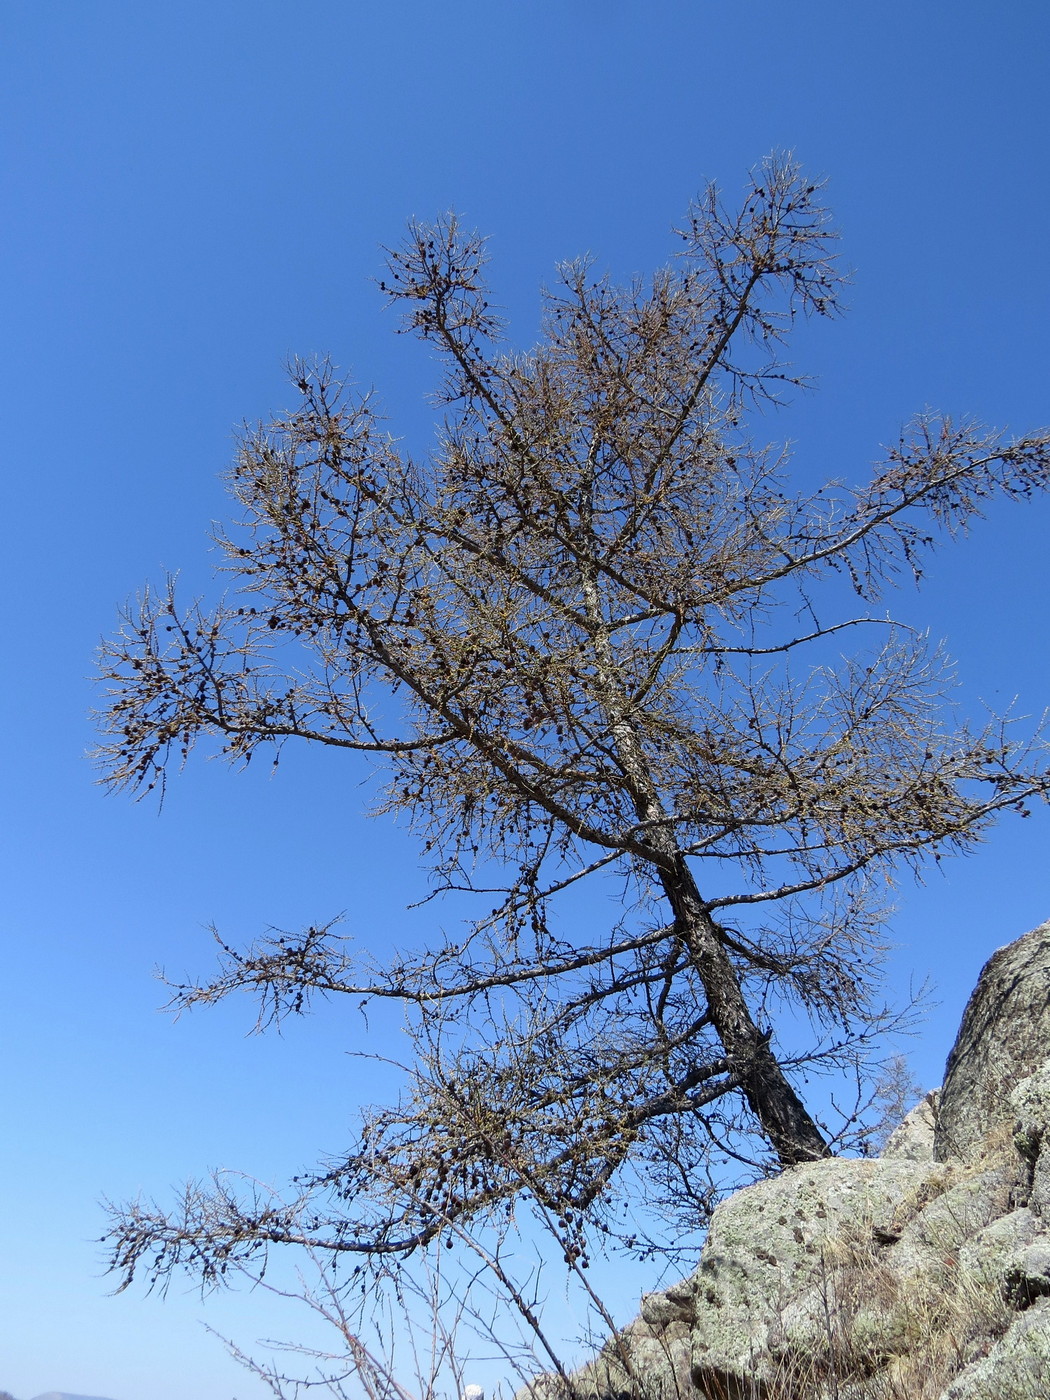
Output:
[[1004, 1036], [920, 1275]]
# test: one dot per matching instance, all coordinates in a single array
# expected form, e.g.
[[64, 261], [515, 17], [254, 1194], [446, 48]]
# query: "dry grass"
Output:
[[887, 1334]]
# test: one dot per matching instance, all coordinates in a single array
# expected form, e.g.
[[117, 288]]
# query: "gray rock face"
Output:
[[920, 1275], [760, 1291], [913, 1139], [1004, 1036], [1018, 1365]]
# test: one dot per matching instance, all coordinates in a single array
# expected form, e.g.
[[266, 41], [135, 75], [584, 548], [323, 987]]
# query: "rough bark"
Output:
[[786, 1123]]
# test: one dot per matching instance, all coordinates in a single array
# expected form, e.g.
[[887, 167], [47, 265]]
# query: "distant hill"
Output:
[[65, 1395], [54, 1395]]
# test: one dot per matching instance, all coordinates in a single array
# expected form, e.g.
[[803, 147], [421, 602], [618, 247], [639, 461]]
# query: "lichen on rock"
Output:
[[923, 1274]]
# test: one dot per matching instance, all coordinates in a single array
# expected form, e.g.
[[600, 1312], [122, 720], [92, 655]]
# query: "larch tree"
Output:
[[595, 632]]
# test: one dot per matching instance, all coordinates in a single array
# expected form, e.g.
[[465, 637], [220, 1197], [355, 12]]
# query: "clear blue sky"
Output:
[[193, 191]]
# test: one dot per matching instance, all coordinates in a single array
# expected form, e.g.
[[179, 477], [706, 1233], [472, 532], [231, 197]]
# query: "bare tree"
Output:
[[594, 633]]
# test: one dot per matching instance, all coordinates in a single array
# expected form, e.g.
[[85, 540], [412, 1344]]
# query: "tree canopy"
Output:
[[596, 633]]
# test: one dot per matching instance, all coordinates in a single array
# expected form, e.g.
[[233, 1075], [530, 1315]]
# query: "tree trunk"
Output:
[[784, 1118]]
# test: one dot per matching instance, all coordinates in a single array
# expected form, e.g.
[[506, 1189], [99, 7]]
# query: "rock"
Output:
[[967, 1202], [996, 1253], [1027, 1275], [913, 1139], [1016, 1368], [1004, 1036], [772, 1242], [920, 1275], [674, 1304], [1030, 1106], [654, 1357]]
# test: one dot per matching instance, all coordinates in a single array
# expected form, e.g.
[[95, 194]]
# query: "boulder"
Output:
[[1004, 1036], [770, 1243], [913, 1138], [1016, 1368]]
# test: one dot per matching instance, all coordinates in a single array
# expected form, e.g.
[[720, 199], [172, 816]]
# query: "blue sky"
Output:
[[194, 192]]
